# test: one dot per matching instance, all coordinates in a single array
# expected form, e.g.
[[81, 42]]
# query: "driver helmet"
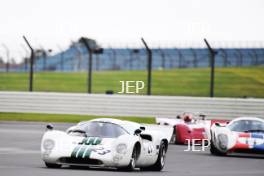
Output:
[[187, 118]]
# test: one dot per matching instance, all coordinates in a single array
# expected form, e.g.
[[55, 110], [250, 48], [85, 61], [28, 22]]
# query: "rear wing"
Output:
[[220, 121]]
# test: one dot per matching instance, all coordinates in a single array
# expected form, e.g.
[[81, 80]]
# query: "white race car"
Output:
[[244, 134], [105, 143]]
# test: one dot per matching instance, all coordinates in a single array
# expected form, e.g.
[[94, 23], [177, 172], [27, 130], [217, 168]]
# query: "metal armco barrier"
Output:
[[128, 105]]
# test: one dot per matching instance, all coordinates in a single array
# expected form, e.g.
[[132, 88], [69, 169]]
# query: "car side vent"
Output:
[[146, 137]]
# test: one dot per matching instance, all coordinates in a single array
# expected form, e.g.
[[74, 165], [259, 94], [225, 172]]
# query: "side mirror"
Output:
[[137, 131], [49, 127]]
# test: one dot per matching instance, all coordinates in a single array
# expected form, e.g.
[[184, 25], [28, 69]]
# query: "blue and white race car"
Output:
[[241, 135], [105, 143]]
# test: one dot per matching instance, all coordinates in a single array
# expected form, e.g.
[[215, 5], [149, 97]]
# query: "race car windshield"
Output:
[[102, 129], [247, 126]]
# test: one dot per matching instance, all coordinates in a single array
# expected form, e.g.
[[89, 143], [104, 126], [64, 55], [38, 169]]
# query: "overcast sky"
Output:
[[49, 23]]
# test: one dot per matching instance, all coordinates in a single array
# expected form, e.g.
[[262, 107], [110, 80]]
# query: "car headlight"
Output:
[[48, 144], [223, 141], [121, 148]]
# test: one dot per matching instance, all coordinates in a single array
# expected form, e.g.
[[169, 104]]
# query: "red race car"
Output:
[[189, 128]]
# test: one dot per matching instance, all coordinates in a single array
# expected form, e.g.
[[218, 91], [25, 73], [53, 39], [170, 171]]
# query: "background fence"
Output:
[[122, 105], [181, 55], [239, 70], [75, 59]]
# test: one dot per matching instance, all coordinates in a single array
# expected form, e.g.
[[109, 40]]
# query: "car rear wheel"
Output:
[[160, 163], [173, 137], [51, 165], [177, 136]]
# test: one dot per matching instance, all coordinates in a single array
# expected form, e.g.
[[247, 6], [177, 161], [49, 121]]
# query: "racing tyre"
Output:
[[51, 165], [176, 132], [173, 137], [132, 163], [177, 136], [215, 151], [158, 166]]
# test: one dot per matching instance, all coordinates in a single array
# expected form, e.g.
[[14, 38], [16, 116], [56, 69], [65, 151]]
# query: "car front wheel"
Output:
[[215, 151]]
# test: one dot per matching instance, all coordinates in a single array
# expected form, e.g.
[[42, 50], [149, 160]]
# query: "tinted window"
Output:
[[102, 129], [246, 126]]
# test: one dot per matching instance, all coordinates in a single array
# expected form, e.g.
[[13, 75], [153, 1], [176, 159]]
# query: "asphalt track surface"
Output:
[[20, 156]]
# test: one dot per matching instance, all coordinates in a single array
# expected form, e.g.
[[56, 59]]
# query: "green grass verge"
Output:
[[7, 116], [229, 82]]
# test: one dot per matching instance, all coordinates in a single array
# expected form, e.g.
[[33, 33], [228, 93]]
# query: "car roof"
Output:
[[248, 118], [128, 125], [115, 121]]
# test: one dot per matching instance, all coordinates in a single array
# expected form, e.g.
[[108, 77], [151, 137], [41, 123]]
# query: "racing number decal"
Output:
[[91, 141], [101, 151], [251, 142], [83, 150], [75, 151], [150, 149]]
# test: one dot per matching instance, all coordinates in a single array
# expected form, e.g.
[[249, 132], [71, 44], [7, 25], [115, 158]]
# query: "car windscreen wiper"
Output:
[[77, 132]]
